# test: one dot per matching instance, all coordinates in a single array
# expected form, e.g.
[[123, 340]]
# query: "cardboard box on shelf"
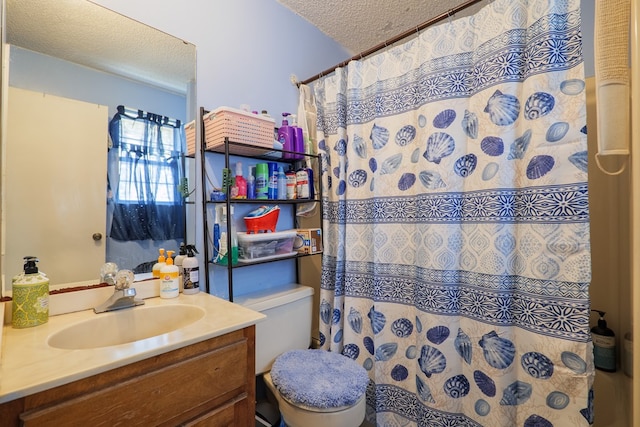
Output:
[[308, 240]]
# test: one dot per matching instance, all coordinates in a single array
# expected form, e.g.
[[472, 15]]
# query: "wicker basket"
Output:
[[239, 126], [190, 136]]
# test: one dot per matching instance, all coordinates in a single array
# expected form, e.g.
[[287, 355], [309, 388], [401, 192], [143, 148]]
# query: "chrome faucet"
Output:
[[123, 296]]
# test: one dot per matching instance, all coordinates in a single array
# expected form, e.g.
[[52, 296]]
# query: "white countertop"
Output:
[[29, 365]]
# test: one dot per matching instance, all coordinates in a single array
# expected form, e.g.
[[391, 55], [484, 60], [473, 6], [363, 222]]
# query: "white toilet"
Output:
[[288, 327]]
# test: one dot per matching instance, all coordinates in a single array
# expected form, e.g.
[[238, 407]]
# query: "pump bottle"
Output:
[[285, 137], [169, 281], [30, 296], [298, 138], [191, 271], [604, 345], [158, 265]]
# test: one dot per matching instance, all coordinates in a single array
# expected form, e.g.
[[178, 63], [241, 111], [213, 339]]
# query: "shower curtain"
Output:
[[456, 226]]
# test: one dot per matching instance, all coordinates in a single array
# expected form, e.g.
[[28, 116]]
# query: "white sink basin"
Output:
[[125, 326]]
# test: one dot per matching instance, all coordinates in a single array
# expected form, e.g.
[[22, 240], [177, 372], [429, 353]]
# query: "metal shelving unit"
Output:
[[241, 150]]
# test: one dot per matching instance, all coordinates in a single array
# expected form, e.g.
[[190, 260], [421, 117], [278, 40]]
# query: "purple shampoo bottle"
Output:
[[286, 137], [298, 138]]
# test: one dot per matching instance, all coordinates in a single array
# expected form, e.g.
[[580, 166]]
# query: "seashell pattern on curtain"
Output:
[[456, 221]]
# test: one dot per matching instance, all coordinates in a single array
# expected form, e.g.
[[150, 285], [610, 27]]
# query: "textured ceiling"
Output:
[[359, 25], [91, 35]]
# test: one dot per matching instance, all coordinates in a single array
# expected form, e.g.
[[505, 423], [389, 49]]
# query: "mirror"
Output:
[[78, 53]]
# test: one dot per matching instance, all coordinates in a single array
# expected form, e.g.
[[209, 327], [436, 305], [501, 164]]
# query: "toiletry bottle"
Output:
[[251, 185], [234, 239], [285, 136], [262, 181], [312, 193], [298, 138], [272, 192], [30, 288], [179, 259], [191, 271], [308, 145], [233, 188], [282, 184], [169, 281], [291, 184], [604, 345], [240, 183], [304, 183], [216, 236], [221, 241], [227, 227], [158, 265]]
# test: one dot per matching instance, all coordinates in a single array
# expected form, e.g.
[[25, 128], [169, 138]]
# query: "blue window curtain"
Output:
[[144, 172]]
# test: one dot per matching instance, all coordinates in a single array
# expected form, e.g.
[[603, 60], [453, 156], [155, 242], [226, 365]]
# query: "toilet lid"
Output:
[[319, 379]]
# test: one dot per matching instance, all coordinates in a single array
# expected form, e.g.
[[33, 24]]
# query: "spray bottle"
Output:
[[286, 137], [191, 271], [604, 345], [182, 254]]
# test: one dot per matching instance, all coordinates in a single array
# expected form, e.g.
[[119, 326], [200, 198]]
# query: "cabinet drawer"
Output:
[[176, 392]]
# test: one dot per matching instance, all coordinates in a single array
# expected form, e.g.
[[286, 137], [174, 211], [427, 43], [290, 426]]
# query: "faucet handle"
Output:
[[124, 278], [129, 292]]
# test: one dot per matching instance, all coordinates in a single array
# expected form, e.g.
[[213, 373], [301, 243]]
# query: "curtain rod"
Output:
[[393, 40], [134, 113]]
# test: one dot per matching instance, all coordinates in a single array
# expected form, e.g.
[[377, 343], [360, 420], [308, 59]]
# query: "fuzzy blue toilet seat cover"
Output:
[[319, 378]]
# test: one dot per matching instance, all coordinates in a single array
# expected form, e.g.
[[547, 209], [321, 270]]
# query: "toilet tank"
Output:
[[288, 323]]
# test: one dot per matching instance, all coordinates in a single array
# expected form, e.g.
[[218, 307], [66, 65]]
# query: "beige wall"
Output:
[[609, 203]]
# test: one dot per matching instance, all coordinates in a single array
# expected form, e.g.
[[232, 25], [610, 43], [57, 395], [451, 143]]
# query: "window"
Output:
[[145, 169], [155, 173]]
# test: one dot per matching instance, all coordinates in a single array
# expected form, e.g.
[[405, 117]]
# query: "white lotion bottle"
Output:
[[169, 281]]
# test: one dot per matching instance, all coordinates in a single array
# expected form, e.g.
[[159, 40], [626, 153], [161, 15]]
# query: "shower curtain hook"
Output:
[[449, 15]]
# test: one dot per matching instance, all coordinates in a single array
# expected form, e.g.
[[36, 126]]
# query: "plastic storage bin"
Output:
[[238, 126], [264, 246]]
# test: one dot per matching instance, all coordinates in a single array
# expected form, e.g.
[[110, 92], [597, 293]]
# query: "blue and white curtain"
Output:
[[457, 261]]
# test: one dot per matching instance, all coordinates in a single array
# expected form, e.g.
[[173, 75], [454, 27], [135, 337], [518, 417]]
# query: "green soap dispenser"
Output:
[[604, 345], [30, 294]]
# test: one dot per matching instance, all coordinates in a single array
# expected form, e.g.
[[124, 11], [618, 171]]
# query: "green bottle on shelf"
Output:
[[223, 253]]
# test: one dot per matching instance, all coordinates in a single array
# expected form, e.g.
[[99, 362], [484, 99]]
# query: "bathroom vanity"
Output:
[[199, 374]]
